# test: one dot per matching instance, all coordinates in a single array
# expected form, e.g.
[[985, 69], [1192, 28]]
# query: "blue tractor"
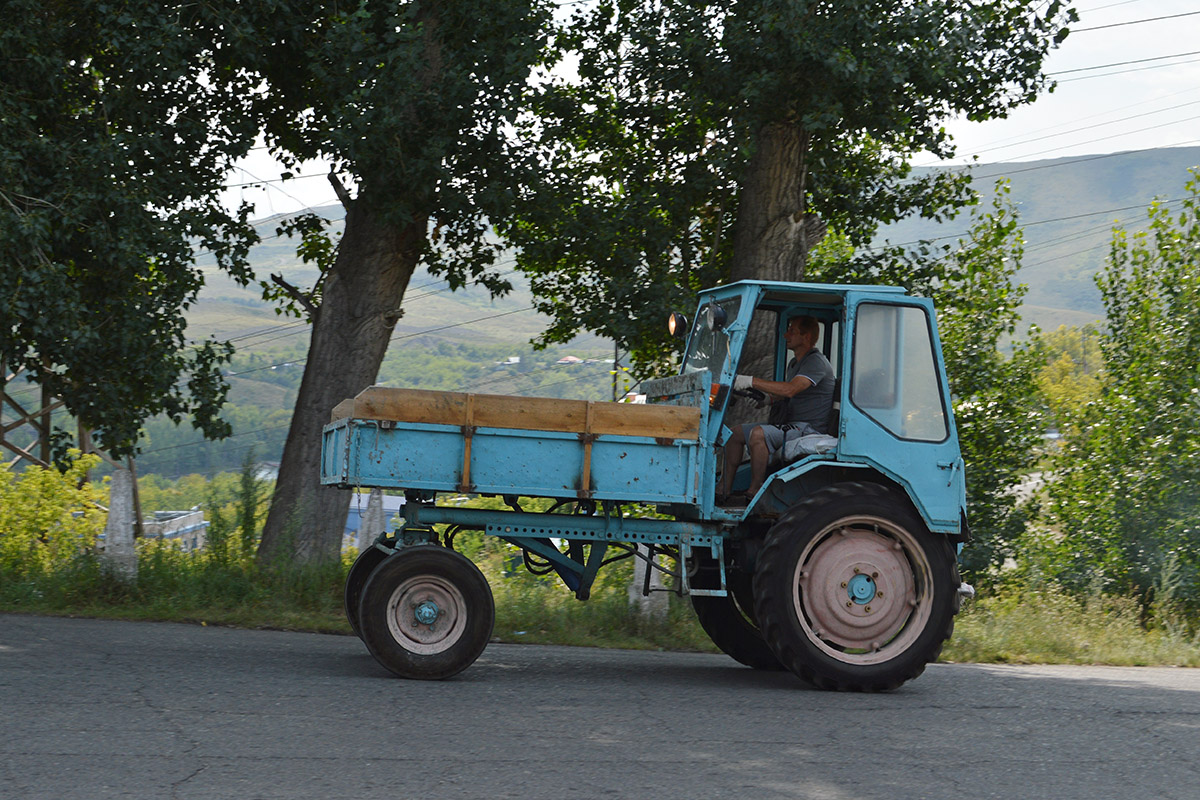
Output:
[[841, 567]]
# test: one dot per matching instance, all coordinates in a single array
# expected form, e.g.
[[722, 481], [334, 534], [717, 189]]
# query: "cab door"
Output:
[[896, 413]]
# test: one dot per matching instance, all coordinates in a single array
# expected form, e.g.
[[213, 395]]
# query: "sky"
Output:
[[1128, 78]]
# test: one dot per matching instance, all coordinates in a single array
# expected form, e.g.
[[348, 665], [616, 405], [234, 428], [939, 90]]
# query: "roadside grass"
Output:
[[1044, 626], [1018, 626]]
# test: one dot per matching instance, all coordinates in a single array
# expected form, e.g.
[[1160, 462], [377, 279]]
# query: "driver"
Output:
[[806, 391]]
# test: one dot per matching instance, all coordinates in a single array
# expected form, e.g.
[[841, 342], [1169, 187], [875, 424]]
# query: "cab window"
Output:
[[894, 376]]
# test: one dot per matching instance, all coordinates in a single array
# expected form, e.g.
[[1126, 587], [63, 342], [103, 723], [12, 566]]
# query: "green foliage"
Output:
[[644, 155], [48, 518], [1127, 479], [996, 402], [408, 101], [116, 130], [1024, 626], [1071, 377]]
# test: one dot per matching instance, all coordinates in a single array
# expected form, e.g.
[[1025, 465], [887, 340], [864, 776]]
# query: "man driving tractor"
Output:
[[801, 404]]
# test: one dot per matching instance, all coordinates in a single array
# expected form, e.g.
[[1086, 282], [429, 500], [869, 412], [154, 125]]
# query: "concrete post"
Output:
[[372, 522], [655, 605], [119, 553]]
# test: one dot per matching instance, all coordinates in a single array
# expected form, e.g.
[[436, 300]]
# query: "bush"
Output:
[[48, 519]]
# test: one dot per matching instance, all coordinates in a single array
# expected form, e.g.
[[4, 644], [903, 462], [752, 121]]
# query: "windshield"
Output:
[[708, 348]]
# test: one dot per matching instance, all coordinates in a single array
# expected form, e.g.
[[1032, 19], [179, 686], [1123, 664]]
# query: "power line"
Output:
[[1126, 71], [1111, 136], [1123, 63], [1024, 225], [1081, 160], [1097, 125], [1134, 22]]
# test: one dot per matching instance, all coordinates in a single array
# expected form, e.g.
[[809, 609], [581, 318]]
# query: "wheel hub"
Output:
[[426, 613], [861, 589]]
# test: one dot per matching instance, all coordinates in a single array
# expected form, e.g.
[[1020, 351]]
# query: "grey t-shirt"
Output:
[[814, 403]]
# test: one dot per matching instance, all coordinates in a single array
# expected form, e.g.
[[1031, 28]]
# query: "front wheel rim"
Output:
[[862, 590], [426, 614]]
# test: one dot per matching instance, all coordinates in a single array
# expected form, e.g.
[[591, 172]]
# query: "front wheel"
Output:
[[426, 612], [853, 591]]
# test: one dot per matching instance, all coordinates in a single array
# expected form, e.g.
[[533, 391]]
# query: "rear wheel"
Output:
[[729, 621], [426, 612], [356, 579], [853, 592]]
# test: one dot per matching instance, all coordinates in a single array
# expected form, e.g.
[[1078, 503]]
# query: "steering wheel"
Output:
[[754, 395]]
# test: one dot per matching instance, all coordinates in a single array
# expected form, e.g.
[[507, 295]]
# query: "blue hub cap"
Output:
[[426, 613], [861, 589]]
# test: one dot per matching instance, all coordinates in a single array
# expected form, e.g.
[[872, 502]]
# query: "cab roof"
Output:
[[786, 293]]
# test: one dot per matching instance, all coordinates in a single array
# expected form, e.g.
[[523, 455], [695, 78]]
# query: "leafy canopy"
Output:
[[117, 124], [645, 151]]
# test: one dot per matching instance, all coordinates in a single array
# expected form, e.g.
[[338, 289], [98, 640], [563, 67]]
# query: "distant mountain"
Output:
[[1068, 207]]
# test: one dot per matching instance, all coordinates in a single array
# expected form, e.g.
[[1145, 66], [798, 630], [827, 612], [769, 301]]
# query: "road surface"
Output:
[[95, 709]]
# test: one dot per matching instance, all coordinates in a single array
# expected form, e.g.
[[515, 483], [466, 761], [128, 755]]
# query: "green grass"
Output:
[[1047, 627], [1019, 627]]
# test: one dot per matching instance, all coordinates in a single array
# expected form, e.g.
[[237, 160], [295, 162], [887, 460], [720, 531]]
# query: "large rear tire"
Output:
[[853, 592], [729, 621], [426, 612]]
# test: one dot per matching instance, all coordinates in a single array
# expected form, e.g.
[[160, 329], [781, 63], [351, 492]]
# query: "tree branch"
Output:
[[340, 190], [297, 295]]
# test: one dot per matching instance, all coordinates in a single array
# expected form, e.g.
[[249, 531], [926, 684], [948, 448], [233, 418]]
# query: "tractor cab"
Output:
[[890, 420]]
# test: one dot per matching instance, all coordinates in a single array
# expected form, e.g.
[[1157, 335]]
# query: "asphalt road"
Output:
[[94, 709]]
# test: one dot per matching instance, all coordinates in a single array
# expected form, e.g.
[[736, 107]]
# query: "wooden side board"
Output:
[[522, 413]]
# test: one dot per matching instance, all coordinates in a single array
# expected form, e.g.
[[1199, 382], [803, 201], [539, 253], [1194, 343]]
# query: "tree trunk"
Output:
[[359, 309], [773, 231]]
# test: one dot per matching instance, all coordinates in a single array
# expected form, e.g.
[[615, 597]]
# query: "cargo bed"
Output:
[[496, 444]]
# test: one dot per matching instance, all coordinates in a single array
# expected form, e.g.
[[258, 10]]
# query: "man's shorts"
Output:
[[775, 435]]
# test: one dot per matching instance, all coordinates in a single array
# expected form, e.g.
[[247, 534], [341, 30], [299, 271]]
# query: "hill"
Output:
[[469, 341], [1068, 207]]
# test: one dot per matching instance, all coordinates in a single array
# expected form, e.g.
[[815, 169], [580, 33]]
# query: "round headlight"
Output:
[[714, 316], [677, 324]]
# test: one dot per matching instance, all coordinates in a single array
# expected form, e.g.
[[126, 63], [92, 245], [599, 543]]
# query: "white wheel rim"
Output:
[[863, 590], [426, 614]]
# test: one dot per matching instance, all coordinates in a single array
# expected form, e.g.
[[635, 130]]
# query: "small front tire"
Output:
[[426, 612]]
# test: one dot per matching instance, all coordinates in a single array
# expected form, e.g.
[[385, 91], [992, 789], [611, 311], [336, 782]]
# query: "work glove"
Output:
[[741, 382]]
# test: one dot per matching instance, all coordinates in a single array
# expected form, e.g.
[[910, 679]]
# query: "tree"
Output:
[[1070, 378], [413, 104], [117, 125], [716, 140], [997, 405], [1128, 474]]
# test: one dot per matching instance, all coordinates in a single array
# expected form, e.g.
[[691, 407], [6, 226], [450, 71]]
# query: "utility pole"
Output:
[[616, 369]]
